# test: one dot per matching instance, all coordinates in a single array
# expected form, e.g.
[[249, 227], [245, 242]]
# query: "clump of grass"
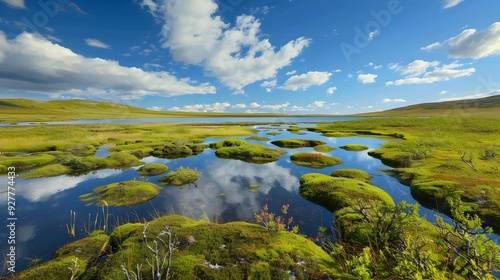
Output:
[[48, 171], [254, 153], [152, 169], [297, 143], [335, 193], [228, 143], [123, 193], [258, 138], [235, 250], [176, 151], [351, 173], [314, 160], [273, 133], [24, 162], [324, 148], [354, 147], [181, 176]]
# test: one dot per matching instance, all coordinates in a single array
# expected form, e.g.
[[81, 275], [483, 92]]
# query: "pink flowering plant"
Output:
[[276, 223]]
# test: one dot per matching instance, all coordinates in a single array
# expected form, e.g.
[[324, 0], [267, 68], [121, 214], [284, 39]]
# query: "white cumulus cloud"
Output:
[[96, 43], [397, 100], [304, 81], [437, 74], [415, 68], [236, 55], [317, 104], [451, 3], [32, 63], [331, 90], [367, 78], [17, 4], [472, 43]]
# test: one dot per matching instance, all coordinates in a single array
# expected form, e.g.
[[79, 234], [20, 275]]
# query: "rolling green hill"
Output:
[[25, 110], [482, 107]]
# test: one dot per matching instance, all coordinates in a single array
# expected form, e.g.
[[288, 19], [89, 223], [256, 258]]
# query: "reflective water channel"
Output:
[[222, 194]]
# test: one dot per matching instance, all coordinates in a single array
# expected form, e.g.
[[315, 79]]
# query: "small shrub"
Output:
[[275, 223]]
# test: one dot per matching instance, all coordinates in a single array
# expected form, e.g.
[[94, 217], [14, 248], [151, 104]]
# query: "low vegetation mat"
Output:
[[314, 160], [123, 193], [181, 176]]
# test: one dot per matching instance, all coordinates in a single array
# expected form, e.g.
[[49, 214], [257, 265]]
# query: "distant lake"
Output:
[[194, 120]]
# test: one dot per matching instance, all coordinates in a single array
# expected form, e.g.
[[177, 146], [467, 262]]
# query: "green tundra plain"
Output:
[[450, 162]]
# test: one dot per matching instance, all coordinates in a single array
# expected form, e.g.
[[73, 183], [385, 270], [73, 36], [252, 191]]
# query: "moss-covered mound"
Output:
[[297, 143], [197, 148], [236, 250], [176, 151], [314, 160], [324, 148], [228, 143], [74, 257], [181, 176], [258, 138], [391, 158], [335, 193], [152, 169], [123, 193], [254, 153], [48, 171], [351, 173], [23, 162], [354, 147]]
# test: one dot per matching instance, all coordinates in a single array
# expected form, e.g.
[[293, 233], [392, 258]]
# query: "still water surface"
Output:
[[43, 205]]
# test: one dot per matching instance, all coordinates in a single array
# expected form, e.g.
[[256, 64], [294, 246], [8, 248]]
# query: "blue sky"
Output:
[[283, 56]]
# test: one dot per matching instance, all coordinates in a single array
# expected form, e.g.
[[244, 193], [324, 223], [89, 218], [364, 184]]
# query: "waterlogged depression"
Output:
[[228, 190]]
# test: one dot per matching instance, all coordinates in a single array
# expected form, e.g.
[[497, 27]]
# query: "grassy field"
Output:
[[73, 146], [439, 158], [482, 107], [24, 110]]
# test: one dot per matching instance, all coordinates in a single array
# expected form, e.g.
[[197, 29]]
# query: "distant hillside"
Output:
[[25, 110], [482, 107]]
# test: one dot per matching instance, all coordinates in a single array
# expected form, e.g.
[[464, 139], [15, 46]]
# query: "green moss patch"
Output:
[[324, 148], [351, 173], [335, 193], [354, 147], [123, 193], [176, 151], [48, 171], [152, 169], [258, 138], [228, 143], [76, 256], [241, 250], [24, 162], [181, 176], [314, 160], [391, 158], [297, 143], [254, 153]]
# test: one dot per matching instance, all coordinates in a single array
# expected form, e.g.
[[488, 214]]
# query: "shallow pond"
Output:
[[223, 194]]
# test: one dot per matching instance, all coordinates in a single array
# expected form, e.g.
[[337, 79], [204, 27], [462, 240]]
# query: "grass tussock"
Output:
[[123, 193], [152, 169], [354, 147], [314, 160], [335, 193], [181, 176], [297, 143]]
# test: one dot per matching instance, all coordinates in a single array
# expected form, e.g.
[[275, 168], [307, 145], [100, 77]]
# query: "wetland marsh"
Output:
[[237, 170]]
